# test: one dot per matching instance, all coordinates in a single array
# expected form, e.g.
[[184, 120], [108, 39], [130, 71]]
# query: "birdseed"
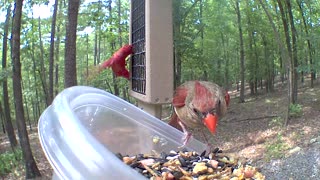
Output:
[[188, 165]]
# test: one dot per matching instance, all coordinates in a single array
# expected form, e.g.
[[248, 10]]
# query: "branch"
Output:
[[2, 34], [194, 37]]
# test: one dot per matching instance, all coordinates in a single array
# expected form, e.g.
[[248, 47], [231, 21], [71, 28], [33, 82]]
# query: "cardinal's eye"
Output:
[[196, 111], [199, 113]]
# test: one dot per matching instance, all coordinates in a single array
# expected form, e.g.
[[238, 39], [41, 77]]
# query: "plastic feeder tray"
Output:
[[84, 127]]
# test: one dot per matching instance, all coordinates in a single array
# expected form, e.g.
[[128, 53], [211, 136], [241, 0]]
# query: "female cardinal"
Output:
[[198, 104]]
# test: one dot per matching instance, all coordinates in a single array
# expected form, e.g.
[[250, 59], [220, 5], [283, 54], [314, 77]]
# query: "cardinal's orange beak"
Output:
[[211, 122]]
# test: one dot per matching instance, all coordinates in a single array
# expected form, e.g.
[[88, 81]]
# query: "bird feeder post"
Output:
[[152, 62]]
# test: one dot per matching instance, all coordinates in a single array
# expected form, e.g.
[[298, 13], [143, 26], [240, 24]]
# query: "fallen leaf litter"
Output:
[[188, 165]]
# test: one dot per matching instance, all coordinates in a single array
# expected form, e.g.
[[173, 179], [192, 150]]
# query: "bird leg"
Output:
[[209, 145], [187, 135]]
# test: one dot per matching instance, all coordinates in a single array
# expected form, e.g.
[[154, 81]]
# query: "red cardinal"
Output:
[[198, 104], [118, 62]]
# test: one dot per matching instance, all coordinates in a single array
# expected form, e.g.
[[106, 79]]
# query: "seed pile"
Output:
[[187, 165]]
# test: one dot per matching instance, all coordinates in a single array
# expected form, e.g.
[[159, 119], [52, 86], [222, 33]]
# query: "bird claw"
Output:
[[185, 139], [209, 148]]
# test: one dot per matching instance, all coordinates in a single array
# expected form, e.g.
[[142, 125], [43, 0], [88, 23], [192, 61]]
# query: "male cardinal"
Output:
[[198, 104], [118, 62]]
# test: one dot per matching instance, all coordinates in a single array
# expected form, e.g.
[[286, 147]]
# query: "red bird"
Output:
[[118, 62], [198, 104]]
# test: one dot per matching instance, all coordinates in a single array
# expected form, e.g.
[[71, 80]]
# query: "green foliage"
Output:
[[9, 160], [277, 121], [4, 74], [275, 150], [295, 110]]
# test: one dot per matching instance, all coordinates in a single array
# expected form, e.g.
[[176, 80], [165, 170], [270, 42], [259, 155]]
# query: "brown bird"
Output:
[[198, 105]]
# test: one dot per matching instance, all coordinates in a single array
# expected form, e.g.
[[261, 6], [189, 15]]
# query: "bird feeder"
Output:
[[152, 62]]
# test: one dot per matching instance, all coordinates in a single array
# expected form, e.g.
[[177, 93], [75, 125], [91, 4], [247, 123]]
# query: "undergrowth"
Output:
[[275, 150], [9, 160]]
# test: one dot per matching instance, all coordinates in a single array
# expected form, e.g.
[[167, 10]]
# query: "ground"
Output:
[[251, 130]]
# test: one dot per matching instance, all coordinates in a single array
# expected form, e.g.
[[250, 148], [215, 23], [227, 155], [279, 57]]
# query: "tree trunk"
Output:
[[26, 107], [7, 116], [112, 48], [35, 80], [87, 58], [39, 100], [251, 69], [284, 56], [99, 46], [95, 57], [288, 43], [226, 58], [70, 62], [119, 23], [42, 66], [294, 91], [256, 65], [2, 120], [57, 49], [309, 51], [32, 170], [268, 75], [242, 68], [51, 60], [125, 90], [311, 54], [177, 35]]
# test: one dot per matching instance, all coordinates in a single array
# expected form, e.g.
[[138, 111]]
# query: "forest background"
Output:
[[235, 43]]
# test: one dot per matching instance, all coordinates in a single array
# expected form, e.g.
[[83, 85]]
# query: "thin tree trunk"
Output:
[[70, 63], [306, 30], [2, 118], [51, 60], [7, 116], [38, 90], [87, 58], [99, 46], [26, 107], [268, 80], [177, 48], [95, 58], [251, 69], [42, 67], [112, 46], [57, 53], [32, 170], [242, 68], [124, 89], [119, 23], [226, 58], [35, 80], [256, 65], [284, 56], [57, 49], [313, 49], [294, 93]]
